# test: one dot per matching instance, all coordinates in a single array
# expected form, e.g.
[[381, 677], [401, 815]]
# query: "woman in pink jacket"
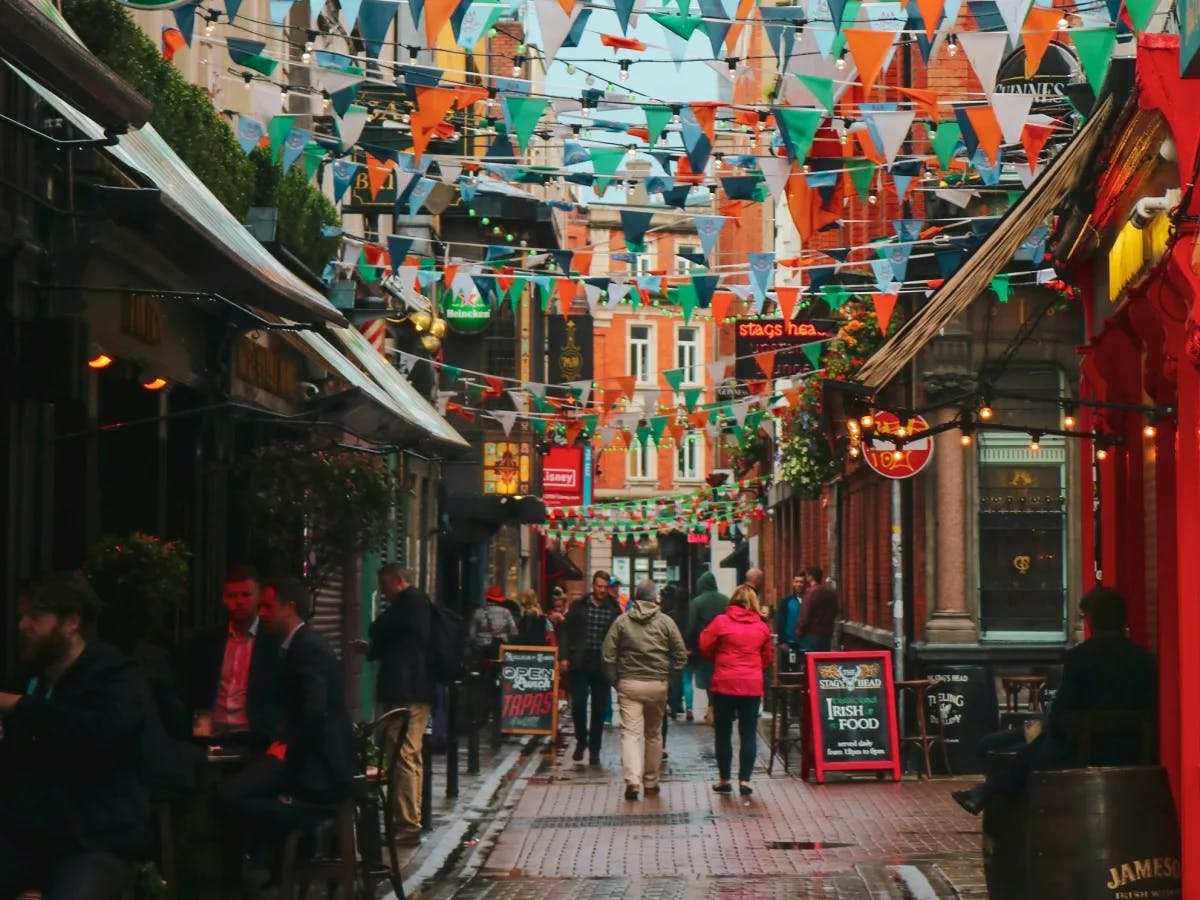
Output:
[[739, 643]]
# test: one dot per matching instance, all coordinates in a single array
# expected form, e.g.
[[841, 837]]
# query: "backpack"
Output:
[[447, 644]]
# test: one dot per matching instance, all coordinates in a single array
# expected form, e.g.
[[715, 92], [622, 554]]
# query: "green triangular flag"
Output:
[[861, 172], [605, 162], [277, 131], [1001, 286], [451, 372], [849, 17], [475, 392], [835, 295], [514, 293], [658, 424], [313, 156], [797, 127], [1094, 46], [674, 378], [945, 142], [643, 435], [822, 89], [754, 419], [541, 404], [539, 425], [813, 352], [524, 113], [367, 271], [691, 397], [687, 300], [590, 423], [258, 63], [657, 118], [1140, 12], [684, 26]]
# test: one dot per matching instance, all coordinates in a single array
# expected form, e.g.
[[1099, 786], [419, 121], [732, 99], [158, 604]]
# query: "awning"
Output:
[[415, 408], [972, 278], [36, 39], [213, 244]]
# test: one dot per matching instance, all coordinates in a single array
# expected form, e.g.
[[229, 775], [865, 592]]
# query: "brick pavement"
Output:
[[571, 834]]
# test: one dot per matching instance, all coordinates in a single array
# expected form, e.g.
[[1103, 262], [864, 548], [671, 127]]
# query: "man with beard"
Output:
[[73, 809]]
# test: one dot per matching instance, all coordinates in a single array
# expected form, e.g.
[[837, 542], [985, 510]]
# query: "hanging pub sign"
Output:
[[466, 312], [562, 476], [1058, 70], [783, 337], [529, 690], [905, 461], [853, 707]]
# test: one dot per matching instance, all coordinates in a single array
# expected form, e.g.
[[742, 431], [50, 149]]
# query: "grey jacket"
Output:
[[644, 644]]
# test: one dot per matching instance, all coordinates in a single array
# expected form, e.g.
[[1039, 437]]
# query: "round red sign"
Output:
[[913, 456]]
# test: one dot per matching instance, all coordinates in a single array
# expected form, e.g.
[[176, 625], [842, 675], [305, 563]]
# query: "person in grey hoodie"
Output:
[[641, 653], [706, 605]]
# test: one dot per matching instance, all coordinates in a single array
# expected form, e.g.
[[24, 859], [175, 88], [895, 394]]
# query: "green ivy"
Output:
[[185, 117]]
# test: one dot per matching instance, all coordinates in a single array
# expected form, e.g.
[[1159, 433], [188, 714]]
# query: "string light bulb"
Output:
[[208, 26], [901, 432], [413, 53], [100, 361], [952, 45], [1149, 431], [1063, 24], [854, 453], [518, 63], [965, 439], [867, 421], [732, 63], [1069, 422], [1035, 442], [155, 384], [1101, 454], [624, 64], [985, 411], [841, 62]]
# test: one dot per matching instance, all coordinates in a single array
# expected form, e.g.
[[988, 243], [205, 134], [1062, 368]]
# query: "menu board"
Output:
[[529, 690], [853, 707]]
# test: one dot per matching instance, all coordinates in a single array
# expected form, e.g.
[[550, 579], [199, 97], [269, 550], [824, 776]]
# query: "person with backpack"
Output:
[[402, 641]]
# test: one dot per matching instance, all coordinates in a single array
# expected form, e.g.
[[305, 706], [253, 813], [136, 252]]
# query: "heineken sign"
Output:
[[155, 5], [467, 312]]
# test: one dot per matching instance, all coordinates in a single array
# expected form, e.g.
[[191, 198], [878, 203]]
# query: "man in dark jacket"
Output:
[[705, 606], [787, 617], [584, 628], [232, 670], [313, 758], [1106, 672], [818, 614], [399, 641], [73, 809]]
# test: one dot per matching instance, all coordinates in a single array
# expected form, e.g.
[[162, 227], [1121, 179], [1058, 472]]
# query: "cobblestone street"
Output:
[[568, 834]]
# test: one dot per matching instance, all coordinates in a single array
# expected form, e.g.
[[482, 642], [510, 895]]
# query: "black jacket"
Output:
[[202, 678], [1105, 672], [314, 721], [399, 641], [572, 645], [69, 762]]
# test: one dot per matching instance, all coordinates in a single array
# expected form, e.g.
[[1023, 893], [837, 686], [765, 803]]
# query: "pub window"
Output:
[[689, 458], [642, 460], [641, 354], [687, 355]]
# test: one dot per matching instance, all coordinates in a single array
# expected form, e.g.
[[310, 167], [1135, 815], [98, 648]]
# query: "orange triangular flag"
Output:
[[564, 288], [766, 362], [720, 305], [581, 262], [885, 305], [786, 297], [926, 100], [378, 171], [437, 14], [1033, 139], [699, 418], [706, 116], [931, 14], [567, 6], [869, 49], [677, 431], [869, 150], [625, 385], [987, 130], [432, 104], [1041, 25], [573, 427], [448, 274], [468, 94], [809, 214], [745, 8]]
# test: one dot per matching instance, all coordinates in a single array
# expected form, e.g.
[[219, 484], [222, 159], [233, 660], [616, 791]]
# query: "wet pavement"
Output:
[[557, 830]]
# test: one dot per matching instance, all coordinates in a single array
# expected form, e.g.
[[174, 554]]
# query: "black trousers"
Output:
[[36, 863], [260, 800], [589, 684], [726, 708]]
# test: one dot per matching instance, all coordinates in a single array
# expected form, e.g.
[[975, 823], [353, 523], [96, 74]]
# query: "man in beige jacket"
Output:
[[641, 653]]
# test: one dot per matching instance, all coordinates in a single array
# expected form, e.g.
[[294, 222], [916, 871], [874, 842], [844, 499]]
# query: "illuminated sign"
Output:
[[882, 455], [506, 466], [785, 338], [562, 476]]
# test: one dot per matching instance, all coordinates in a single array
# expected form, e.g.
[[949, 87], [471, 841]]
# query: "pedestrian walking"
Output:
[[584, 628], [739, 644], [534, 628], [705, 606], [818, 615], [641, 652]]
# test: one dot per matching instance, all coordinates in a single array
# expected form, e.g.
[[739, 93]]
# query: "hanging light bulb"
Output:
[[283, 93], [854, 453], [1149, 431], [965, 439], [901, 432], [952, 45], [867, 421], [1035, 442], [210, 24], [412, 54], [624, 64], [1069, 421], [571, 68], [872, 198], [518, 63], [985, 411], [590, 80], [1063, 24], [309, 42], [1101, 454], [732, 63], [840, 65]]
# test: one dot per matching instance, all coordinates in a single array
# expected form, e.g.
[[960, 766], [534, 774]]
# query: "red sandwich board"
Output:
[[852, 704]]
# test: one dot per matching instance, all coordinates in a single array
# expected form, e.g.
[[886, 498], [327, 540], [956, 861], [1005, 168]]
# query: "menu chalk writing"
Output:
[[853, 709], [529, 690]]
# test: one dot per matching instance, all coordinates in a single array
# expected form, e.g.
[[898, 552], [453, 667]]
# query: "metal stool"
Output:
[[789, 688], [918, 688]]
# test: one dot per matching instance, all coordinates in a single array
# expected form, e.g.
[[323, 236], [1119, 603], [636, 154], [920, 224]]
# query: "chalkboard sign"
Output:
[[966, 698], [529, 690], [853, 708]]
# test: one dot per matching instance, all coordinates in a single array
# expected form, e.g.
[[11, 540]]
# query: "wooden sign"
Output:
[[853, 707], [529, 690]]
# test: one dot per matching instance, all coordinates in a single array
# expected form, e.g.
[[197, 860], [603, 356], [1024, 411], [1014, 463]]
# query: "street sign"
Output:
[[852, 702], [529, 690], [882, 454]]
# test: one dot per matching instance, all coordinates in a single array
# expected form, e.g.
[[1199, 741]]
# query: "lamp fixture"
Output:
[[965, 439], [1149, 431], [1101, 454], [155, 384], [518, 63], [100, 360], [1035, 442], [624, 65]]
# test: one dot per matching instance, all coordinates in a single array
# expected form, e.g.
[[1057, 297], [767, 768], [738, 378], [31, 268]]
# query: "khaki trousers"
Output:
[[642, 705], [405, 782]]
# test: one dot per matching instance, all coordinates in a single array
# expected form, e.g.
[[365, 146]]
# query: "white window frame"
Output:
[[685, 266], [644, 263], [693, 372], [642, 347], [692, 469], [642, 462]]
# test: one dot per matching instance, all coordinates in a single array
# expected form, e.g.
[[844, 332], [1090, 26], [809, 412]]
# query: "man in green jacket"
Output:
[[641, 653], [705, 606]]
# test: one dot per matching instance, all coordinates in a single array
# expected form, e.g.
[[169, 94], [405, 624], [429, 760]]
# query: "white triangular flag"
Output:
[[266, 101], [584, 388], [519, 398], [617, 291], [591, 293], [1026, 175], [443, 398], [1011, 112], [350, 126], [535, 388], [555, 25], [449, 170], [892, 127], [505, 417], [717, 369], [985, 50], [1014, 13], [775, 171], [739, 411]]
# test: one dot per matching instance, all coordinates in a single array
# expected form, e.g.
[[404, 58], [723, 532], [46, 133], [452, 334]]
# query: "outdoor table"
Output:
[[210, 863]]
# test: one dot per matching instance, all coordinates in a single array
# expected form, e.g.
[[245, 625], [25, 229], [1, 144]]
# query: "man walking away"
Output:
[[73, 809], [400, 638], [584, 629], [818, 615], [705, 606], [641, 653], [787, 618]]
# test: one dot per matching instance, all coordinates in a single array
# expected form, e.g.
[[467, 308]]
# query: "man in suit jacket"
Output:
[[1106, 672], [232, 670], [313, 758]]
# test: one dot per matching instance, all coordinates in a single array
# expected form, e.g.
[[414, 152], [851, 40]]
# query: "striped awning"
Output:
[[974, 276]]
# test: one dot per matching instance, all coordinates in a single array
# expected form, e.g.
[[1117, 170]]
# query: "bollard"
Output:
[[473, 733], [427, 781], [452, 739]]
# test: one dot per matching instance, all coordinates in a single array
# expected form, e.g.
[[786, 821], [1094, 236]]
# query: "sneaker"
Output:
[[723, 787], [631, 792], [744, 788], [653, 790], [594, 759], [578, 754], [689, 716]]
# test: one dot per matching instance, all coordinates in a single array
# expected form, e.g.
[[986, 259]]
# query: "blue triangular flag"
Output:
[[249, 133], [185, 21], [375, 19], [343, 174], [293, 146], [762, 265], [398, 247], [709, 230]]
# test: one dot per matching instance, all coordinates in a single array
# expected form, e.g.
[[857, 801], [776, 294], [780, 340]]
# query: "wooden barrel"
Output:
[[1088, 834]]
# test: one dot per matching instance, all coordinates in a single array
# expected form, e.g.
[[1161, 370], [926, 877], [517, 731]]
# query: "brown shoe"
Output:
[[653, 790], [631, 792], [408, 837]]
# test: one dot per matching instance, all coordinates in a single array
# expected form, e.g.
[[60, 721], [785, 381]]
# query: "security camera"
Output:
[[309, 390]]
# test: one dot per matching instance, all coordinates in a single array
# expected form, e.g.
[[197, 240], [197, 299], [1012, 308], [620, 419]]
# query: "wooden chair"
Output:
[[919, 688], [382, 785]]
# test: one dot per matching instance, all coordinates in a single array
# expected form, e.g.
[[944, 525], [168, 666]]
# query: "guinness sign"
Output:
[[1058, 70]]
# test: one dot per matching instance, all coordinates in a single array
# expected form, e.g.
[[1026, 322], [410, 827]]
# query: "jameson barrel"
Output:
[[1087, 834]]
